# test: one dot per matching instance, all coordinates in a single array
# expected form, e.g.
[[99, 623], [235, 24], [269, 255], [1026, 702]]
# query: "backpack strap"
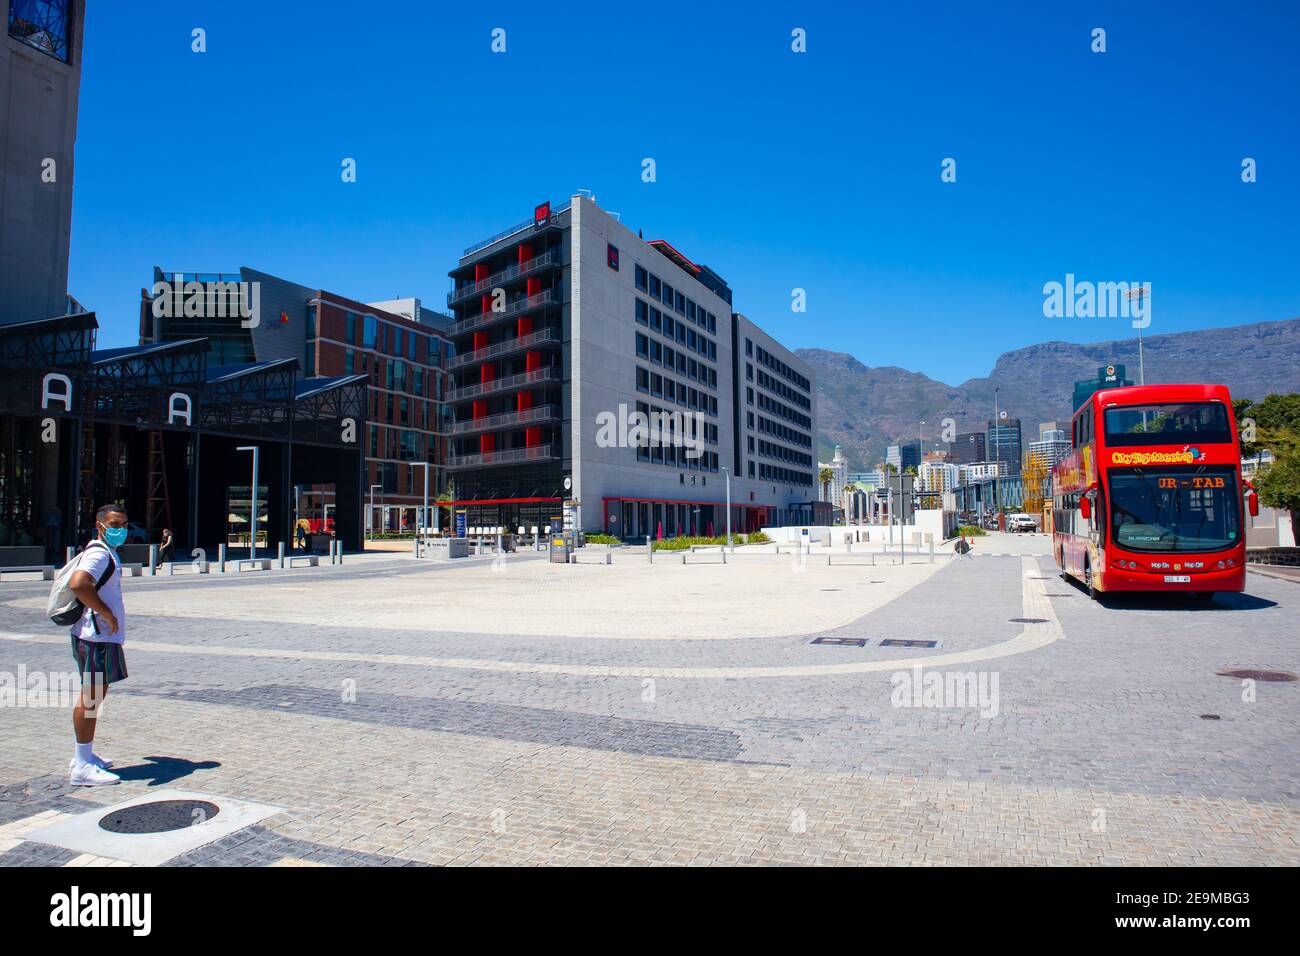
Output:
[[112, 565]]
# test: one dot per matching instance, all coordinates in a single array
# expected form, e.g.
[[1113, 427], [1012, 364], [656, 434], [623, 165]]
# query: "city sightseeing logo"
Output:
[[1185, 457]]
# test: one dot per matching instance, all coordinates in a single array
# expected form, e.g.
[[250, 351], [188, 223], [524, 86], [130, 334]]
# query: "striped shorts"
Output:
[[99, 663]]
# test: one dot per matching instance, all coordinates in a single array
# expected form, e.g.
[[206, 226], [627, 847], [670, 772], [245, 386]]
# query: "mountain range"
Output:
[[864, 409]]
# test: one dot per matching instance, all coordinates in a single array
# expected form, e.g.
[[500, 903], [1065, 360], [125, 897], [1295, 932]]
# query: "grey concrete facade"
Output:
[[776, 448], [38, 132], [604, 373]]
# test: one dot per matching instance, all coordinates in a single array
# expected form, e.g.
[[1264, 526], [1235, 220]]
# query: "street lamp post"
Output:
[[1137, 295], [252, 517], [424, 509], [372, 509], [997, 448], [727, 472]]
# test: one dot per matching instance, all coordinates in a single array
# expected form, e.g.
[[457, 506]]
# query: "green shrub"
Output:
[[683, 542], [603, 539], [971, 531], [757, 538]]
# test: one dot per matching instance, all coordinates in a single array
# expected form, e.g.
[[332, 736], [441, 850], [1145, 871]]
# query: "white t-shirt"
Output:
[[94, 560]]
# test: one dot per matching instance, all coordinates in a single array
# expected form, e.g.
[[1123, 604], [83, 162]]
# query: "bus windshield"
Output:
[[1174, 423], [1174, 509]]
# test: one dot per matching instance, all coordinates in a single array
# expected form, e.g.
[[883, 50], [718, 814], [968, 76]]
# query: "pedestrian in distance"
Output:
[[97, 639], [165, 547]]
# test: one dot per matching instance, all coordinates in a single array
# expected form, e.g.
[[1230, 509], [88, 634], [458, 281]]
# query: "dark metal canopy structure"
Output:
[[79, 426]]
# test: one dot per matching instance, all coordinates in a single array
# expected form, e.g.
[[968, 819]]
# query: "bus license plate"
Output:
[[1178, 579]]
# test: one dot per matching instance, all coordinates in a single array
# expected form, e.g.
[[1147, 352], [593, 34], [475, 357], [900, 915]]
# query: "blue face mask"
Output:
[[115, 537]]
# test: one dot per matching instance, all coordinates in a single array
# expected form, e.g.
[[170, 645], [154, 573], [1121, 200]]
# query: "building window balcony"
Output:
[[541, 413], [545, 260], [518, 344], [512, 383], [511, 456], [523, 304]]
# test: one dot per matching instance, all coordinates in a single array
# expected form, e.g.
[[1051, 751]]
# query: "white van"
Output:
[[1021, 522]]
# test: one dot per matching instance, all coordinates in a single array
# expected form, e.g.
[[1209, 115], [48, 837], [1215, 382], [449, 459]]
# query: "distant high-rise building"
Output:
[[1051, 448], [839, 466], [938, 475], [905, 456], [1108, 376], [968, 447], [1004, 443]]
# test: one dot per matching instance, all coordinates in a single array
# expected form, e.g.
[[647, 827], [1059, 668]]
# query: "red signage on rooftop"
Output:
[[541, 214]]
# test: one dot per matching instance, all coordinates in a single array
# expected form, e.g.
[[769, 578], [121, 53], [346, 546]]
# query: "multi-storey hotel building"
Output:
[[569, 333]]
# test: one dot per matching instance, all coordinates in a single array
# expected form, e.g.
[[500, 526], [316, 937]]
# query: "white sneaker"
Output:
[[89, 775], [96, 759]]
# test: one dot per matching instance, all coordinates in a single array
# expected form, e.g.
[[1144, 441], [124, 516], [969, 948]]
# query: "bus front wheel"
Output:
[[1088, 581]]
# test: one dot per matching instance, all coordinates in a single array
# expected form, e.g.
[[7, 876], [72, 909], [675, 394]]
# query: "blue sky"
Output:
[[780, 170]]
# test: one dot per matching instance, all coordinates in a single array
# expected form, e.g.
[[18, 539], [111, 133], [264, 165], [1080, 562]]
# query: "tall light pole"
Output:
[[372, 509], [727, 472], [252, 518], [1137, 295], [997, 448]]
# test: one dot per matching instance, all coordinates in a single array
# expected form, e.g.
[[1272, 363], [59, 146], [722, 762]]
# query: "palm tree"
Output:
[[826, 476], [850, 490]]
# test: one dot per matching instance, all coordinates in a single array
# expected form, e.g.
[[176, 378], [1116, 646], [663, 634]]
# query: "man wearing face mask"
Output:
[[97, 640]]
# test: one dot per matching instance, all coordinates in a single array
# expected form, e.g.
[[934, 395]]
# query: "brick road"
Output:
[[659, 714]]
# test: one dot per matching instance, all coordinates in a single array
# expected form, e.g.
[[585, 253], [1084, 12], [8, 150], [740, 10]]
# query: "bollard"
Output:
[[649, 550], [280, 554], [932, 550], [153, 560], [221, 558], [828, 560], [724, 555], [338, 547]]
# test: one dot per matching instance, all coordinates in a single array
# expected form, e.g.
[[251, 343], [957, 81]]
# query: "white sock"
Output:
[[84, 752]]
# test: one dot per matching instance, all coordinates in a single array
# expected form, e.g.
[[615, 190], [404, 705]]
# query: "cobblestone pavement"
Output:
[[1091, 734]]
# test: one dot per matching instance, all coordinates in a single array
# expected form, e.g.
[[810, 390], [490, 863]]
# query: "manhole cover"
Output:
[[1283, 677], [161, 816], [841, 641], [830, 589], [1210, 717], [899, 642], [1028, 620]]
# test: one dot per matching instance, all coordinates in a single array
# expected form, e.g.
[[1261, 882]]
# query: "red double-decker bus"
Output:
[[1151, 497]]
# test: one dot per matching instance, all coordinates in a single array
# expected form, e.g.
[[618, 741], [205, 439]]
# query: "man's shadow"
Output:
[[164, 770]]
